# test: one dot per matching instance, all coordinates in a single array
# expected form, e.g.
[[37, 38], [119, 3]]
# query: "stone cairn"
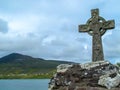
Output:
[[96, 75], [100, 75]]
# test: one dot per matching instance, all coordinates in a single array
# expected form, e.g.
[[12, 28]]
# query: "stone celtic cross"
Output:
[[96, 26]]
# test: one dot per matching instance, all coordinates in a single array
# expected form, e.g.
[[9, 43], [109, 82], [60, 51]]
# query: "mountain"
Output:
[[22, 64]]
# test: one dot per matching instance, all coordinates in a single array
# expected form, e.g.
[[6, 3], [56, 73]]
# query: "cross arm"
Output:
[[109, 24], [83, 28]]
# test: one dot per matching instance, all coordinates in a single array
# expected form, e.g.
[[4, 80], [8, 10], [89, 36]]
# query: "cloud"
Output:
[[3, 26], [49, 29]]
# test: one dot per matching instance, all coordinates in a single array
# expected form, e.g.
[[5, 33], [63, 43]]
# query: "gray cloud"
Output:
[[49, 29], [3, 26], [111, 44]]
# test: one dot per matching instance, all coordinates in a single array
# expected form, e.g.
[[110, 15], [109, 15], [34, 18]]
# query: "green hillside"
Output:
[[18, 64], [118, 64]]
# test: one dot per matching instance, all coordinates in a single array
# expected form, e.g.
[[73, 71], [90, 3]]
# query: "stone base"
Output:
[[87, 88], [100, 75]]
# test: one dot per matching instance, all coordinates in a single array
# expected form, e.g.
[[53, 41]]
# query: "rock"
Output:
[[63, 67], [109, 82], [93, 64], [99, 74]]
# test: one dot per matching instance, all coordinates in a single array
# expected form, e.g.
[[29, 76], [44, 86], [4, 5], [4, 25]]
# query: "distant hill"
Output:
[[22, 64]]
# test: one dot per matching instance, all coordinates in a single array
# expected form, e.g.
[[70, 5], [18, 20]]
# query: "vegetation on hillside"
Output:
[[118, 64], [28, 76], [22, 66]]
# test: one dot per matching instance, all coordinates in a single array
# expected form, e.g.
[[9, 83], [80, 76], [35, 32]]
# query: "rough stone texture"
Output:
[[63, 67], [108, 81], [100, 75]]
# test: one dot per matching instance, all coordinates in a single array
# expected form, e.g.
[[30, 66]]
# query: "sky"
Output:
[[49, 29]]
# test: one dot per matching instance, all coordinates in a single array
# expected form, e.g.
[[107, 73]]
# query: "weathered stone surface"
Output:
[[108, 81], [63, 67], [100, 75], [96, 26]]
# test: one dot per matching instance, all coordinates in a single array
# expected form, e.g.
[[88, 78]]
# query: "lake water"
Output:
[[24, 84]]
